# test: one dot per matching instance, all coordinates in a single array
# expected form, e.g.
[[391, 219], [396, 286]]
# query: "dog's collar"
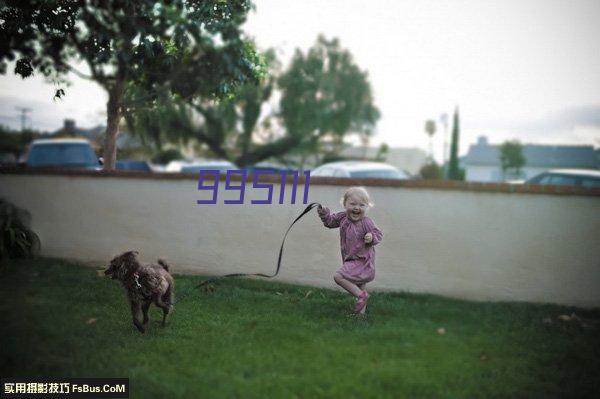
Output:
[[135, 275]]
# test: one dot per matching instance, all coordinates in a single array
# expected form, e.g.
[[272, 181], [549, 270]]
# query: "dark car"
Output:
[[568, 177], [62, 153], [137, 166]]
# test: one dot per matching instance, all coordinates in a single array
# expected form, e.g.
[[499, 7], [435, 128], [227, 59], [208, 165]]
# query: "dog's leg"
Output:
[[145, 307], [136, 311], [169, 296], [166, 302], [166, 310], [166, 307]]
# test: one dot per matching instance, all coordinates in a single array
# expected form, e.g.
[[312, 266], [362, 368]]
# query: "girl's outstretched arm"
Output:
[[375, 232], [330, 220]]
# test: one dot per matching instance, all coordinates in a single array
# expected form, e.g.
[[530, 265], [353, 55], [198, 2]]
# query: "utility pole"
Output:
[[23, 111]]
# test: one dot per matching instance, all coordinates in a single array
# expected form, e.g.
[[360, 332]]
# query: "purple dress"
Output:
[[358, 258]]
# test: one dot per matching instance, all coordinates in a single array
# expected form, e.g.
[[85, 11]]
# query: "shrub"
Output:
[[17, 240], [431, 171]]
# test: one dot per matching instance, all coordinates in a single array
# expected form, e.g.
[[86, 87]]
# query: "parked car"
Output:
[[359, 169], [137, 166], [196, 166], [62, 153], [7, 159], [568, 177], [271, 167]]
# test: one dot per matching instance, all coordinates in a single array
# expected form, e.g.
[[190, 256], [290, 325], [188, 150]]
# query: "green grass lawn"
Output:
[[260, 339]]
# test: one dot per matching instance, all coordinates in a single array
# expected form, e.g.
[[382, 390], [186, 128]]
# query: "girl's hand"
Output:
[[368, 238], [321, 211]]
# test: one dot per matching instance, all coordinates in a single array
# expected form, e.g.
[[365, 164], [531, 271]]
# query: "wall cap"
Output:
[[328, 181]]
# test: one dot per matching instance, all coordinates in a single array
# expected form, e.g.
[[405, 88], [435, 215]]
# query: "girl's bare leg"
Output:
[[362, 288], [347, 285]]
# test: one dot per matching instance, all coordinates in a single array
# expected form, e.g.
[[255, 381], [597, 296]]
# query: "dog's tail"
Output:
[[164, 264]]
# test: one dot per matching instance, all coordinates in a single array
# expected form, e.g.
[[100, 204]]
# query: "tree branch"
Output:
[[99, 77], [262, 152], [76, 72]]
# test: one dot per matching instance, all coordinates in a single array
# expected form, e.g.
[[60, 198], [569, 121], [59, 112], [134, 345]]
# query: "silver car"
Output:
[[568, 177], [198, 165], [359, 169]]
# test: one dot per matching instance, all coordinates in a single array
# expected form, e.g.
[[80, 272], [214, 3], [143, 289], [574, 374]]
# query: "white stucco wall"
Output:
[[467, 244]]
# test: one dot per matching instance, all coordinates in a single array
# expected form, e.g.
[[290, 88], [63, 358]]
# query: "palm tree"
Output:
[[430, 130]]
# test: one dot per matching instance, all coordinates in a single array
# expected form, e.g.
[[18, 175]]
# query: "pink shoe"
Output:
[[362, 302]]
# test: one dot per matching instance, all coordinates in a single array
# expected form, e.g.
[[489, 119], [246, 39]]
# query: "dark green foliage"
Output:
[[511, 158], [454, 170], [326, 95], [17, 240], [251, 338], [431, 171], [323, 93], [193, 48], [382, 152], [144, 41], [226, 127]]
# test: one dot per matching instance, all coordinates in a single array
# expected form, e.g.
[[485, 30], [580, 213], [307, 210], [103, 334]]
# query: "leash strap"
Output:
[[211, 280]]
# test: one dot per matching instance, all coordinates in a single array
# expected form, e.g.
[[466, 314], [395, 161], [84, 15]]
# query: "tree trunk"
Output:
[[113, 119]]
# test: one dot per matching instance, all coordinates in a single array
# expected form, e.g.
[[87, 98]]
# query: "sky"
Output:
[[525, 69]]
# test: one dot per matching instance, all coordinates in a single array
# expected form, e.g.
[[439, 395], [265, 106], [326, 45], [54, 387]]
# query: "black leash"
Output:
[[211, 280]]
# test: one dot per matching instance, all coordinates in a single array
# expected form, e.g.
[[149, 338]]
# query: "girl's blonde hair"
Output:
[[360, 192]]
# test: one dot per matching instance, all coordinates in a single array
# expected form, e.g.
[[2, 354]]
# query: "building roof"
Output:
[[546, 156]]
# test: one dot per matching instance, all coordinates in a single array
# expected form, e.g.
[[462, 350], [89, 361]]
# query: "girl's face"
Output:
[[356, 207]]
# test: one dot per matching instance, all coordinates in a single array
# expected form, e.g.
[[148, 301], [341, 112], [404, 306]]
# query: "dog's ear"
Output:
[[129, 259], [131, 254]]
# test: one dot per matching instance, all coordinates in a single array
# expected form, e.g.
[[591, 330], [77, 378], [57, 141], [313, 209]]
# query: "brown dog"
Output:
[[144, 284]]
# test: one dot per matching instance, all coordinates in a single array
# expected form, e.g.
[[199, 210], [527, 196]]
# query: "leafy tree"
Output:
[[191, 47], [431, 171], [225, 126], [430, 130], [511, 157], [325, 94], [454, 171], [382, 152], [322, 93]]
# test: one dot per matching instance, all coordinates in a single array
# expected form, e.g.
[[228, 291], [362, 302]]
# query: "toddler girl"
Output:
[[358, 236]]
